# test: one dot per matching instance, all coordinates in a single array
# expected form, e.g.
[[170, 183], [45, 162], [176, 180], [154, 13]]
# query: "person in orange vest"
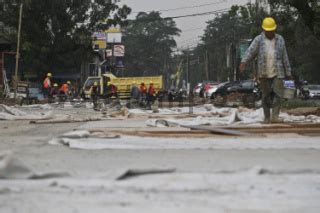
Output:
[[47, 85], [150, 95], [64, 89]]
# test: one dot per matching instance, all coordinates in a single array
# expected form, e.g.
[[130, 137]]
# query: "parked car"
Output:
[[246, 90], [210, 88], [36, 93], [314, 91]]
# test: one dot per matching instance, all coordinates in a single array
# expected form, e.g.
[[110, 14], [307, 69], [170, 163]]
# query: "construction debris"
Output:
[[69, 120], [304, 111], [12, 113], [12, 168]]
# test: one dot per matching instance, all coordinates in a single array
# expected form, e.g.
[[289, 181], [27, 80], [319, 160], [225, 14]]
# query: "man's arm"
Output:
[[251, 52], [285, 61]]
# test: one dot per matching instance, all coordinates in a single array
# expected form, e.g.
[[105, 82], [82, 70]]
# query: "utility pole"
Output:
[[18, 53], [188, 84], [206, 64], [187, 72], [234, 56]]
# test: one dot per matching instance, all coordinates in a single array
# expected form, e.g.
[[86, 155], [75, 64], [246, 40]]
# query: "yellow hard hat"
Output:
[[269, 24], [49, 74], [151, 82], [109, 83], [55, 84], [95, 83], [68, 82]]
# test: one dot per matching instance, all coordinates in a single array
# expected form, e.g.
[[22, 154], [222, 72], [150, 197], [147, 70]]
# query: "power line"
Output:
[[200, 14], [189, 7], [191, 15]]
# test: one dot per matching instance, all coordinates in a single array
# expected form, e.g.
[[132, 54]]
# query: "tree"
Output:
[[222, 36], [149, 41], [299, 28], [309, 10], [299, 23], [56, 35]]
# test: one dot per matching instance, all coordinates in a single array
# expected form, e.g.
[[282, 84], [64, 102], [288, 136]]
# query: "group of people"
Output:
[[273, 67], [53, 90], [109, 91], [143, 94]]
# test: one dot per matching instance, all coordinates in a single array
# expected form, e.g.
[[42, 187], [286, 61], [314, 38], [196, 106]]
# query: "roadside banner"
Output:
[[118, 50]]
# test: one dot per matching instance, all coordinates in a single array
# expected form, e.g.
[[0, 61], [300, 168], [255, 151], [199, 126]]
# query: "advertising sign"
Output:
[[99, 40], [118, 50], [114, 37], [99, 36]]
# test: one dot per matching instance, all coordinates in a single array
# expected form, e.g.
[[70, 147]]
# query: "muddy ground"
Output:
[[274, 173]]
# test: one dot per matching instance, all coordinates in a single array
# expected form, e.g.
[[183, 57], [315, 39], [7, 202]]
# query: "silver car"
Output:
[[314, 91]]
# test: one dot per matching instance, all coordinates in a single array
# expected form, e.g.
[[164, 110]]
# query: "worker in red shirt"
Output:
[[150, 95], [111, 90]]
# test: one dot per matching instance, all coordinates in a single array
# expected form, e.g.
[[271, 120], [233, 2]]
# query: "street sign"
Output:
[[118, 50], [108, 53]]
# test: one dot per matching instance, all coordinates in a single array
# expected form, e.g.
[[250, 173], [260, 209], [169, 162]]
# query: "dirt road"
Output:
[[225, 174]]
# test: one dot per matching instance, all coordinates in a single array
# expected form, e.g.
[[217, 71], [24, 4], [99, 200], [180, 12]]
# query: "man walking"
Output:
[[273, 67]]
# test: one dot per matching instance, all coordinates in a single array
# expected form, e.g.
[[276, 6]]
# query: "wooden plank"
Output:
[[218, 130]]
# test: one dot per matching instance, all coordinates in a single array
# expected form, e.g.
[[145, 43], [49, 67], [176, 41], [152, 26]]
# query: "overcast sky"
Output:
[[191, 27]]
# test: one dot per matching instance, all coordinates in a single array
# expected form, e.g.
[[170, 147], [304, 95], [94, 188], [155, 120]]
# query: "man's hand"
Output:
[[242, 67]]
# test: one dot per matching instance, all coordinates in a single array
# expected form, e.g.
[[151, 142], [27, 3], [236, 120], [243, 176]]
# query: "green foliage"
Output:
[[298, 22], [149, 42], [56, 35], [225, 32]]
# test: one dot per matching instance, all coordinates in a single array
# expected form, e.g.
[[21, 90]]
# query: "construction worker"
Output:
[[150, 95], [70, 89], [134, 91], [47, 85], [64, 89], [142, 93], [273, 67], [53, 92], [112, 90], [94, 92]]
